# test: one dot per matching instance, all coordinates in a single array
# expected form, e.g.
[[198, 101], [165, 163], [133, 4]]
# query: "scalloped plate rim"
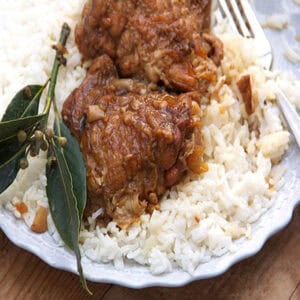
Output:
[[64, 260]]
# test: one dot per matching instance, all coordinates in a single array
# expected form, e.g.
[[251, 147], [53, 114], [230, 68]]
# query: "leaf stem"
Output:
[[59, 60], [57, 116]]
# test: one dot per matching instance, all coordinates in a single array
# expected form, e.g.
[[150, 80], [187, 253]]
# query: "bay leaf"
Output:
[[10, 154], [66, 190], [22, 112], [24, 104], [9, 129], [76, 167]]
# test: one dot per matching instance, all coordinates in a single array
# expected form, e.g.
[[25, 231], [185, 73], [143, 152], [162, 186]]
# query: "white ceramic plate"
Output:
[[136, 276]]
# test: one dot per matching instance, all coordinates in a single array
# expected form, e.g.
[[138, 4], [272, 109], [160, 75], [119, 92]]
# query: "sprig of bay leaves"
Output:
[[23, 131]]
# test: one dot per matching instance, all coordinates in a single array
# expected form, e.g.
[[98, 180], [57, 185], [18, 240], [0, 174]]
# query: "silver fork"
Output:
[[243, 21]]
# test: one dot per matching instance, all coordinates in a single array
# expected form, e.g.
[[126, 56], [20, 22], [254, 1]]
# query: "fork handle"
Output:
[[290, 114]]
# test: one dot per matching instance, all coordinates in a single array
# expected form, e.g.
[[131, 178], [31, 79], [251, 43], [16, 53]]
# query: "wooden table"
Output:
[[274, 273]]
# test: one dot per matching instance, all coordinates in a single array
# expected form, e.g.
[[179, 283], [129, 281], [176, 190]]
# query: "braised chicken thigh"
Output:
[[161, 41], [136, 142]]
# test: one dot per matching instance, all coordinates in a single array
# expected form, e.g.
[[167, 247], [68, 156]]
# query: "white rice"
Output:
[[276, 21], [292, 54], [201, 217]]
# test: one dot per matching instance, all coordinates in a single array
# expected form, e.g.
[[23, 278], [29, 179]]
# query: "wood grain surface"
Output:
[[274, 273]]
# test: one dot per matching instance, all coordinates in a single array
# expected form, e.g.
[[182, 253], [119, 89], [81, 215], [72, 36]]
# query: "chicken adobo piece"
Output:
[[136, 142], [164, 42]]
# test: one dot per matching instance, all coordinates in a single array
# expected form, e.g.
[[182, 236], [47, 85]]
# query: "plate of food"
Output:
[[152, 152]]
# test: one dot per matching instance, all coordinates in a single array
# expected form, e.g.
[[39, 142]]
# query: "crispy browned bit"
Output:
[[194, 160], [40, 224], [196, 108], [215, 50], [244, 85], [21, 207], [153, 198]]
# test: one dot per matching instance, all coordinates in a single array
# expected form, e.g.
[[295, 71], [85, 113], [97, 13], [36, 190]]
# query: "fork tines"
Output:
[[242, 20], [236, 13]]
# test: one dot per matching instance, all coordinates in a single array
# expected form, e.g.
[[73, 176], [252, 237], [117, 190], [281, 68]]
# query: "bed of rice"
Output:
[[201, 217]]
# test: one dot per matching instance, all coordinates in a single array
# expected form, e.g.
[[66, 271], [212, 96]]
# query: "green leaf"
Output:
[[21, 113], [76, 166], [24, 104], [66, 190], [10, 154], [9, 129]]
